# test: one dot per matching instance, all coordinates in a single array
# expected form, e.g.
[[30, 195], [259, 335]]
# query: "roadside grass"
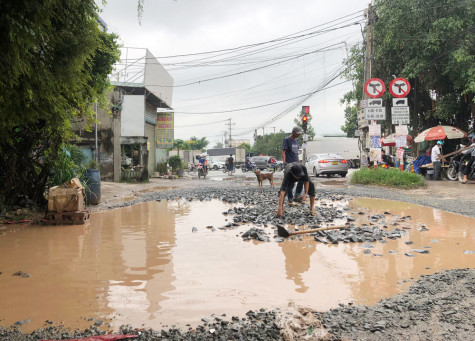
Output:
[[387, 177]]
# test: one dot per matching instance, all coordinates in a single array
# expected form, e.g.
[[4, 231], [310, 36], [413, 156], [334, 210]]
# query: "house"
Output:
[[133, 135]]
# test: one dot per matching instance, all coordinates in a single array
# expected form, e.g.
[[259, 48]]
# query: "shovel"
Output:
[[282, 232]]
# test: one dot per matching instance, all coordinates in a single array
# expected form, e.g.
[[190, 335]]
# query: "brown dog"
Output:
[[262, 176]]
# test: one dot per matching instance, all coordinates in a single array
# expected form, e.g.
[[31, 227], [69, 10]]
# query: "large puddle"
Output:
[[143, 265]]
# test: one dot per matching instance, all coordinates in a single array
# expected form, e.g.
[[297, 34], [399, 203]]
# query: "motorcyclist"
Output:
[[386, 158], [248, 164], [203, 163], [470, 151]]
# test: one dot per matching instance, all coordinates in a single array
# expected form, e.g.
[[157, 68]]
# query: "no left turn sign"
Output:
[[374, 87], [399, 87]]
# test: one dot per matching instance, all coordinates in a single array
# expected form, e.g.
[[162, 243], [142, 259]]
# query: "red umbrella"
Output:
[[440, 133], [390, 140]]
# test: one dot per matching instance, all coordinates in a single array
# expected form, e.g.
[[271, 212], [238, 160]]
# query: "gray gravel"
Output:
[[436, 307], [220, 189]]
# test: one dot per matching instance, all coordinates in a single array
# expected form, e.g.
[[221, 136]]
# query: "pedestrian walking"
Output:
[[230, 164], [290, 154]]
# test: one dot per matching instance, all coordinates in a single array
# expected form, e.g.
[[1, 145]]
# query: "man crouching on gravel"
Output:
[[295, 172]]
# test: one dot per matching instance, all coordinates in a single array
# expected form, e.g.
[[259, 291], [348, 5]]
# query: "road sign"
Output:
[[375, 102], [374, 87], [363, 103], [399, 87], [400, 115], [375, 113], [375, 130], [400, 102], [362, 122], [401, 130]]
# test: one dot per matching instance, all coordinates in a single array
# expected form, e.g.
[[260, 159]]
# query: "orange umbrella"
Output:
[[440, 133]]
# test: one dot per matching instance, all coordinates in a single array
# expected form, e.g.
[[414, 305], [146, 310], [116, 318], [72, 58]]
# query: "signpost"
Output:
[[400, 102], [374, 88], [375, 113], [399, 87], [400, 115]]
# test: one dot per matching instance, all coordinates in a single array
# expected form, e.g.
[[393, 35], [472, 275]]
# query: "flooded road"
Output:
[[144, 266]]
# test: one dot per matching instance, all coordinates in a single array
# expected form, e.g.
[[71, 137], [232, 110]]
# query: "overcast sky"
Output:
[[308, 58]]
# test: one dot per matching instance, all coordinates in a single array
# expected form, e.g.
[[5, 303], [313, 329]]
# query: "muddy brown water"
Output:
[[143, 265]]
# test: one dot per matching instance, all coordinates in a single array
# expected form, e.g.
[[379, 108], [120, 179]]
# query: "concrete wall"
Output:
[[157, 80], [133, 116]]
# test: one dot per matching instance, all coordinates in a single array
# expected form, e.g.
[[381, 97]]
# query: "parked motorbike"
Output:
[[463, 164], [191, 168], [454, 166], [248, 167], [202, 171]]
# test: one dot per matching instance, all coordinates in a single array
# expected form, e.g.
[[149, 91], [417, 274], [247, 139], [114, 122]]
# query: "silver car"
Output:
[[329, 164]]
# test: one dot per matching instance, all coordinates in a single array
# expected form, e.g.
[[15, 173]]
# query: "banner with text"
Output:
[[165, 130]]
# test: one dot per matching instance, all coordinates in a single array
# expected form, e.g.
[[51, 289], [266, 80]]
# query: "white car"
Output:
[[328, 164], [214, 164]]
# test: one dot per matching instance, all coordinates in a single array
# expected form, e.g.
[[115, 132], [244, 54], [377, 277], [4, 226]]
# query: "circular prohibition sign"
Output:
[[374, 87], [399, 87]]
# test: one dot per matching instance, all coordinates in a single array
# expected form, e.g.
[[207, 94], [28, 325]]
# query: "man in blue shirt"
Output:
[[290, 154], [295, 172], [290, 146]]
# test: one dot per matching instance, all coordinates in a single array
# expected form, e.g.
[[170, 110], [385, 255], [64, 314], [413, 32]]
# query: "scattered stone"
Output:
[[468, 252], [21, 274], [420, 250], [367, 251], [194, 229], [409, 254], [409, 242], [22, 322], [392, 252]]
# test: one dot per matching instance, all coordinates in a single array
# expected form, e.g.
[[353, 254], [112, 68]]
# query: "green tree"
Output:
[[270, 144], [432, 44], [246, 146], [181, 145], [310, 131], [198, 144], [351, 100], [55, 64], [218, 145]]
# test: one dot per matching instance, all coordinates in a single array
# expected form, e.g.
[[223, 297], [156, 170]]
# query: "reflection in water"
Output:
[[143, 265], [297, 261]]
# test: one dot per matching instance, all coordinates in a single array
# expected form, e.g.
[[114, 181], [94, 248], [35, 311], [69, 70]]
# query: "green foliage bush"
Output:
[[55, 65], [387, 177], [162, 168], [175, 162], [69, 165]]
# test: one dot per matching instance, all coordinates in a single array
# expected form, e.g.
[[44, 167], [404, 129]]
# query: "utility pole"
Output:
[[230, 132], [368, 56]]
